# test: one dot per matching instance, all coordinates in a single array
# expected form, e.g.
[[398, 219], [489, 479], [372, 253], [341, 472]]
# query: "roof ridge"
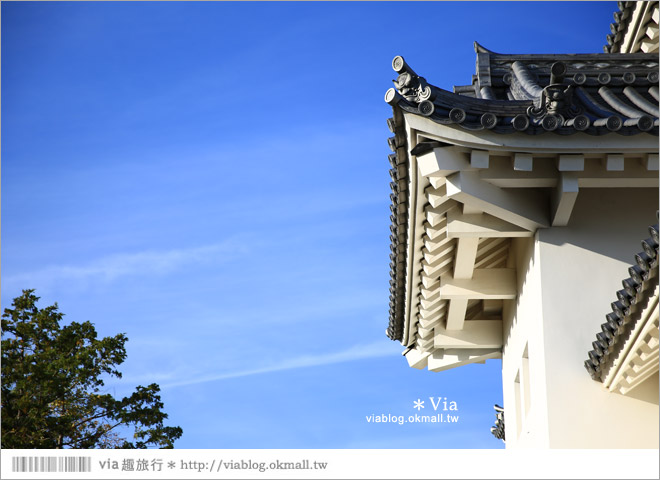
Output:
[[478, 48]]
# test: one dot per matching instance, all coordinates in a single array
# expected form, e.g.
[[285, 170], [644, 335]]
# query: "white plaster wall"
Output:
[[567, 278], [581, 268], [523, 326]]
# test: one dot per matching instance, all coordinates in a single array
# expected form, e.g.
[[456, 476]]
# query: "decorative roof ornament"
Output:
[[498, 429], [556, 103], [411, 86]]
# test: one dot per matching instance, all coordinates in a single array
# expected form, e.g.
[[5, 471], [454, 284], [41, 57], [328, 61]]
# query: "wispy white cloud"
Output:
[[112, 267], [357, 352]]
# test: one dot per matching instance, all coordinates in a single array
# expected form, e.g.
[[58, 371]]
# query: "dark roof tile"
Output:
[[399, 215], [643, 279], [592, 93]]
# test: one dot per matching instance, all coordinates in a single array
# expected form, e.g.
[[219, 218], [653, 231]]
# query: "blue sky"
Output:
[[212, 180]]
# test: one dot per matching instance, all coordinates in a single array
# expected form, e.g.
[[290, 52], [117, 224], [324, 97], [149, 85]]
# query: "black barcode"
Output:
[[51, 464]]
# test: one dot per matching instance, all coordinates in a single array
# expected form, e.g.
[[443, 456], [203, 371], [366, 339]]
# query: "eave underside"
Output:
[[471, 203], [637, 357]]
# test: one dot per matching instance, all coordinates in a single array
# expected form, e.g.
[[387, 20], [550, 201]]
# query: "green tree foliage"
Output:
[[52, 386]]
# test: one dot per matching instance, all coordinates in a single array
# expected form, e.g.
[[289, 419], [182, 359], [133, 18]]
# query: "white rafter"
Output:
[[564, 198], [442, 360], [441, 162], [486, 283], [522, 208], [460, 225], [475, 334]]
